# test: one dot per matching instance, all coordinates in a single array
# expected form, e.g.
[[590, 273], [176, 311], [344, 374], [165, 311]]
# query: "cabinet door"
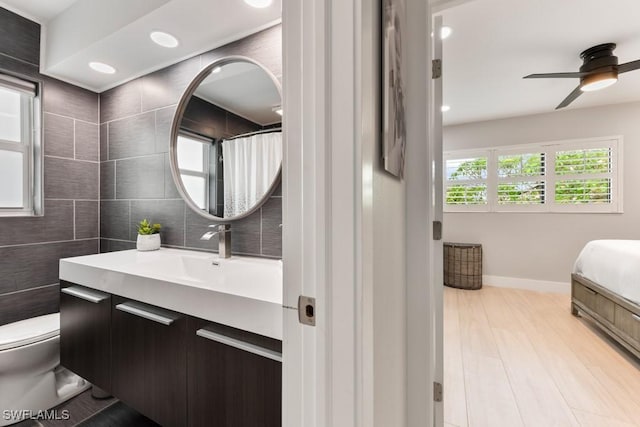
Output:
[[85, 333], [149, 361], [235, 377]]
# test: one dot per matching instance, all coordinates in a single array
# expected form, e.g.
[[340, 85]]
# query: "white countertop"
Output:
[[242, 292]]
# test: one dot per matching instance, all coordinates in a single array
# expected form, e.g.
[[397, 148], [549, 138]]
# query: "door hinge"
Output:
[[436, 68], [437, 230], [307, 310], [437, 392]]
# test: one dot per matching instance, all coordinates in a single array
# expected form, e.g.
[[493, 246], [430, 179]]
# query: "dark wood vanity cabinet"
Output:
[[85, 333], [149, 368], [175, 369], [235, 377]]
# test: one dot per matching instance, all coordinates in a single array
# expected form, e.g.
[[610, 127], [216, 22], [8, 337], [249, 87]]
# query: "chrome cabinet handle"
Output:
[[635, 317], [85, 294], [148, 312], [590, 291], [241, 345]]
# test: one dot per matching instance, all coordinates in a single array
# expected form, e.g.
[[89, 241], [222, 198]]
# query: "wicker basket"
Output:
[[463, 265]]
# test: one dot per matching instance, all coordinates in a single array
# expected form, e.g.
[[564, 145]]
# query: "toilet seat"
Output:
[[29, 331]]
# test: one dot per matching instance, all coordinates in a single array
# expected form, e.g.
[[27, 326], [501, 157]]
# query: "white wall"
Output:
[[543, 246]]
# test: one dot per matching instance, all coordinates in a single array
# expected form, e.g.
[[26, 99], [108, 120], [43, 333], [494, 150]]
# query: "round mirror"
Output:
[[226, 148]]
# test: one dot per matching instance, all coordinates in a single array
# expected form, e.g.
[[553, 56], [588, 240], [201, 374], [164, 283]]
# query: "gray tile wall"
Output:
[[135, 178], [31, 247]]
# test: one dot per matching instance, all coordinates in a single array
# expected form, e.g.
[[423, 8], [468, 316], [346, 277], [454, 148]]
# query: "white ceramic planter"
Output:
[[150, 242]]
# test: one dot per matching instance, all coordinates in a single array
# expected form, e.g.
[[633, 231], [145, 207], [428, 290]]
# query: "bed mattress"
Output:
[[612, 264]]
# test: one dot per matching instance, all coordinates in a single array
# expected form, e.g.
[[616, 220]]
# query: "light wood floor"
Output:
[[519, 358]]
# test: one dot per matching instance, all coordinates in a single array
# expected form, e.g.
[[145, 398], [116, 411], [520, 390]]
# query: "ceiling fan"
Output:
[[599, 69]]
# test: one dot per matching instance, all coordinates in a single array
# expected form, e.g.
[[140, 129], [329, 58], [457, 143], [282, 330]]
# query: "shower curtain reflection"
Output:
[[251, 164]]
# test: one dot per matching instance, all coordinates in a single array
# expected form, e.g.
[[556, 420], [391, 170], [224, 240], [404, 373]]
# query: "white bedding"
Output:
[[612, 264]]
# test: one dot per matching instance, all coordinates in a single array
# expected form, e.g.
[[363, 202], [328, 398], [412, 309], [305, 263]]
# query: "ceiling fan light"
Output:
[[598, 81], [259, 4]]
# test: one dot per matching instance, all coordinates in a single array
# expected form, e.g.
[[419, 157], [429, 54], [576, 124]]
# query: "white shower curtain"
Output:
[[250, 165]]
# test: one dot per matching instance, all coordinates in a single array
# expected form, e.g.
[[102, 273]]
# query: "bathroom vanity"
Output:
[[179, 339], [191, 338]]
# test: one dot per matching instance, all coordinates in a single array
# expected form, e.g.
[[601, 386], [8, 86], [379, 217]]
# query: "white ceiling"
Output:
[[37, 10], [244, 89], [116, 32], [497, 42]]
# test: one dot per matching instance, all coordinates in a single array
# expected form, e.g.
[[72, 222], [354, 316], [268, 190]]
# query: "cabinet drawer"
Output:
[[235, 377], [149, 361], [85, 333], [599, 304], [628, 323], [585, 295]]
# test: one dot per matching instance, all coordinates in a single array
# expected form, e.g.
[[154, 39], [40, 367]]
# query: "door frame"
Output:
[[421, 301], [327, 246], [321, 377]]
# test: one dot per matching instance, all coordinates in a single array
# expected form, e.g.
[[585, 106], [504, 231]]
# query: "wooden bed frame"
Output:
[[618, 317]]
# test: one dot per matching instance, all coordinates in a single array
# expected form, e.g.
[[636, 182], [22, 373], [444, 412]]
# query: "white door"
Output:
[[327, 374], [436, 250], [320, 365]]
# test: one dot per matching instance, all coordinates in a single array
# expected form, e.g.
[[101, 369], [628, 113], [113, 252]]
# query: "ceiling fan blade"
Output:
[[569, 99], [556, 76], [629, 66]]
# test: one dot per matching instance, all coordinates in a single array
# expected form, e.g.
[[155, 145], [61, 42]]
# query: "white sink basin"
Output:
[[241, 292], [250, 277]]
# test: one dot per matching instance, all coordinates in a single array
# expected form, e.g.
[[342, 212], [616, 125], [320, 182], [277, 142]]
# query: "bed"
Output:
[[605, 288]]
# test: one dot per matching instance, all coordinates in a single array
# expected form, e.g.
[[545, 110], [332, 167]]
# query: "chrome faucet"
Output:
[[224, 238]]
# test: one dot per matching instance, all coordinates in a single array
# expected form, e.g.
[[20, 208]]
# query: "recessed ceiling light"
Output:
[[164, 39], [102, 67], [260, 4], [445, 108], [216, 70]]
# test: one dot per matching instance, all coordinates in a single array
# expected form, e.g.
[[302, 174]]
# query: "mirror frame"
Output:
[[175, 131]]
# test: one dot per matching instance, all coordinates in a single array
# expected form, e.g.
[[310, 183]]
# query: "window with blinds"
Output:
[[521, 179], [568, 176], [20, 153], [466, 181], [584, 176]]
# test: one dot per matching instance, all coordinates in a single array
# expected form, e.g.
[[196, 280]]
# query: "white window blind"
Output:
[[20, 156], [466, 181], [521, 179], [584, 176], [566, 176]]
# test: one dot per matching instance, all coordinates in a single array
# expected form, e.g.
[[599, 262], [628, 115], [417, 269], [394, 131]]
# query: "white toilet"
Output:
[[30, 376]]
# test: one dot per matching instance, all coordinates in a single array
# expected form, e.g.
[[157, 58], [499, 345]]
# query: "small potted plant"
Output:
[[148, 236]]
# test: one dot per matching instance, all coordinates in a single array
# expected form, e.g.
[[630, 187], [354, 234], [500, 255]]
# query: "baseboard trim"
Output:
[[528, 284]]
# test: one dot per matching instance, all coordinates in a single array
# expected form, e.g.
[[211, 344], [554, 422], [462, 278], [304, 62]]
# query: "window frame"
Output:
[[496, 180], [550, 149], [207, 145], [466, 154], [30, 145]]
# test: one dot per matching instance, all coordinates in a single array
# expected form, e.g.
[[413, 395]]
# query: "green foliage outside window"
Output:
[[569, 164], [468, 194]]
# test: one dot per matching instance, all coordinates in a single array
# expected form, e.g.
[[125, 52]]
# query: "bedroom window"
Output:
[[584, 176], [20, 152], [466, 181], [567, 176], [521, 179]]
